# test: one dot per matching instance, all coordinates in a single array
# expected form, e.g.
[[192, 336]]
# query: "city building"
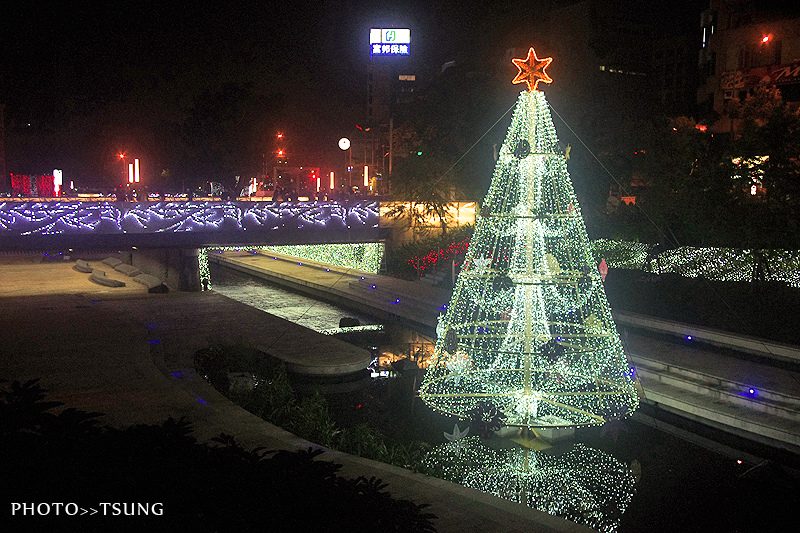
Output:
[[392, 84], [745, 44]]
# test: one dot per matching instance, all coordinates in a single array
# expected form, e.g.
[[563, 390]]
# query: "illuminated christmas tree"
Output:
[[528, 335]]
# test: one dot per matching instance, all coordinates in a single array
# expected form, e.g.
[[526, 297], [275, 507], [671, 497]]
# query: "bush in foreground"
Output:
[[70, 457]]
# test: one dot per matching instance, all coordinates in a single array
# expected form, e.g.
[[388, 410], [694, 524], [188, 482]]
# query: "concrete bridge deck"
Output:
[[92, 346]]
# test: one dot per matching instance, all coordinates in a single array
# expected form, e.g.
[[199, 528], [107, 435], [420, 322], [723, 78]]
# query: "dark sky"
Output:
[[94, 78]]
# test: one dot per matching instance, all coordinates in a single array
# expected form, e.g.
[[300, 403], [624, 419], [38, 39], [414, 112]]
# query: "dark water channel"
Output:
[[656, 480]]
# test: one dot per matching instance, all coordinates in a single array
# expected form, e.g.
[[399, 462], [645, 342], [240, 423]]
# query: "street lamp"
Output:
[[344, 144]]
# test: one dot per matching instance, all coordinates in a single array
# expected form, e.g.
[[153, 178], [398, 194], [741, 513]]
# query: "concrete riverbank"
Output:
[[129, 354]]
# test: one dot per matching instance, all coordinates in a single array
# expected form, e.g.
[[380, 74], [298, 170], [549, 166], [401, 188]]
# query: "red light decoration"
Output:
[[28, 186], [44, 186], [421, 263], [531, 70]]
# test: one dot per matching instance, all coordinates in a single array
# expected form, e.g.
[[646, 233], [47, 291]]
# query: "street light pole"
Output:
[[344, 145]]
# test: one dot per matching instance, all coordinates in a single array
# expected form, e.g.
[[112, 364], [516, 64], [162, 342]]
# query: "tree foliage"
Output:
[[697, 185]]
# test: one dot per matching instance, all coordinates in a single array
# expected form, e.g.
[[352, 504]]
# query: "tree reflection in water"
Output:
[[580, 484]]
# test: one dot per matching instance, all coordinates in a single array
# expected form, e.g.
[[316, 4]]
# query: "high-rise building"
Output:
[[392, 81]]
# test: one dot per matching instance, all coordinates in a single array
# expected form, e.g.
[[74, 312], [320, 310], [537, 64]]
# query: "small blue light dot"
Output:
[[202, 401], [155, 342], [688, 337]]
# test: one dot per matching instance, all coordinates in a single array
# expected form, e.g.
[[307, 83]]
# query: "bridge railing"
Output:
[[192, 223]]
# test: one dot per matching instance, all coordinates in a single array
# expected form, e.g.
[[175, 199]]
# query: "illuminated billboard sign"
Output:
[[389, 41]]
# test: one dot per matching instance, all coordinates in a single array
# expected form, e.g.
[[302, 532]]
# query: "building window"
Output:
[[745, 58], [778, 45]]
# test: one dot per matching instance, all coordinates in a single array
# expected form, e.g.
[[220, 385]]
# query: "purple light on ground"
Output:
[[750, 392]]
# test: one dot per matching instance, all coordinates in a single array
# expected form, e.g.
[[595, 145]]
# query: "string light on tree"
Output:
[[528, 330]]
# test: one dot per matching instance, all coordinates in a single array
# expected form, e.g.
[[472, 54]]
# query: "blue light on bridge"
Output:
[[296, 219]]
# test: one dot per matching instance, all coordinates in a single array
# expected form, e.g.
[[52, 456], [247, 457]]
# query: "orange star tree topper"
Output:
[[531, 70]]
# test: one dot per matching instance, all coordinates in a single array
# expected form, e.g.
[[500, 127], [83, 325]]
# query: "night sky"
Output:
[[84, 82]]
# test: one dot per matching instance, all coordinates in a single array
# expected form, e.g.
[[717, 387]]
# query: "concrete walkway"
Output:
[[128, 354], [385, 297]]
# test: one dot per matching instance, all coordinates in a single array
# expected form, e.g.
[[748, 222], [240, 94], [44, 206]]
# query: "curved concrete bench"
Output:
[[113, 262], [82, 266], [98, 276], [128, 270], [152, 283]]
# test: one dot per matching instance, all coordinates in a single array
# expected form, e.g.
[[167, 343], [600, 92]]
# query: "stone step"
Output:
[[725, 339], [721, 395], [757, 425], [705, 382]]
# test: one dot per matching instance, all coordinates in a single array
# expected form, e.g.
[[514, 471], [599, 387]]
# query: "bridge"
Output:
[[50, 224]]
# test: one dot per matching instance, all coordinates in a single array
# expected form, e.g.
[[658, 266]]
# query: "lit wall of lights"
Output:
[[715, 264], [360, 256]]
